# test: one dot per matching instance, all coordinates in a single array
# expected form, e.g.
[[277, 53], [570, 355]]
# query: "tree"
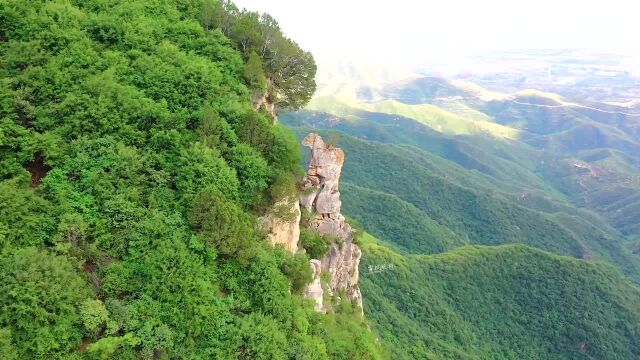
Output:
[[315, 244], [209, 14], [297, 269], [253, 172], [222, 224], [270, 31], [292, 72], [262, 339], [39, 296], [255, 76], [94, 315], [246, 31], [215, 132]]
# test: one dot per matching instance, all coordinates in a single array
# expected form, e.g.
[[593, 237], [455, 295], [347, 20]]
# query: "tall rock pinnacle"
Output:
[[321, 197]]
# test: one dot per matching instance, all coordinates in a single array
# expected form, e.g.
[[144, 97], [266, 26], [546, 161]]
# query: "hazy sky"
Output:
[[409, 31]]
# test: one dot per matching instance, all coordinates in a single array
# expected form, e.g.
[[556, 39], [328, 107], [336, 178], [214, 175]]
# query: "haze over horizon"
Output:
[[409, 33]]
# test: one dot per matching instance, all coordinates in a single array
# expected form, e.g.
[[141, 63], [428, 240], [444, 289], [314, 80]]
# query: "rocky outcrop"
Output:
[[283, 224], [314, 290], [262, 102], [321, 197], [342, 265]]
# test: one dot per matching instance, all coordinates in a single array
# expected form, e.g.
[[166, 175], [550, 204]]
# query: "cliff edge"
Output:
[[320, 197]]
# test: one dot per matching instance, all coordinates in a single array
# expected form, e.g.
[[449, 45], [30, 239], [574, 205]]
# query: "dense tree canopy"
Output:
[[133, 168], [289, 70]]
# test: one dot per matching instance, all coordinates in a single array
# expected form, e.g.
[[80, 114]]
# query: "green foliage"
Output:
[[108, 347], [215, 132], [500, 302], [396, 206], [94, 315], [284, 186], [253, 172], [297, 269], [201, 166], [289, 70], [389, 217], [348, 338], [7, 349], [276, 143], [40, 294], [22, 214], [221, 223], [254, 74], [133, 168], [262, 339], [315, 244], [507, 302]]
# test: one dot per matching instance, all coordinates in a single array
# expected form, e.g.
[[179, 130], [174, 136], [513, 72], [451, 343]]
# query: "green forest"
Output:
[[140, 154], [133, 168], [454, 268], [504, 302]]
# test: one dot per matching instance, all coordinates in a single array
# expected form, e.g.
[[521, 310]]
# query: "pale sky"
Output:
[[411, 31]]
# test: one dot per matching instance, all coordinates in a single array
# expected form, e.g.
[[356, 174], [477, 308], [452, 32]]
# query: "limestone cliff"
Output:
[[321, 198], [283, 224], [264, 101]]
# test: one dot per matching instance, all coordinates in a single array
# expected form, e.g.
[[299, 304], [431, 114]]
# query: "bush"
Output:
[[221, 223], [315, 244], [298, 270], [39, 296], [253, 172], [94, 315]]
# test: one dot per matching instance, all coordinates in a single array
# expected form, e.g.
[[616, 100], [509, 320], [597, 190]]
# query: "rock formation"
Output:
[[285, 229], [270, 108], [263, 101], [314, 290], [321, 197]]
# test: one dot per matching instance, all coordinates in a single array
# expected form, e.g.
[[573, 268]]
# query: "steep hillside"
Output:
[[506, 302], [133, 169]]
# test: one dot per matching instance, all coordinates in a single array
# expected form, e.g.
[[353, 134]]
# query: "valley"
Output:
[[449, 177]]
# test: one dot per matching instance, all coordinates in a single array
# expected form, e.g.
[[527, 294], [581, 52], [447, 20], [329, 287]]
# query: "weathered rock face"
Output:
[[314, 290], [263, 102], [321, 197], [284, 230], [342, 264], [320, 185]]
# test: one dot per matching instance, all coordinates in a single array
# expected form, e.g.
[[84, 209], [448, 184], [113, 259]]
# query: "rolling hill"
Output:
[[504, 302], [552, 148], [493, 219]]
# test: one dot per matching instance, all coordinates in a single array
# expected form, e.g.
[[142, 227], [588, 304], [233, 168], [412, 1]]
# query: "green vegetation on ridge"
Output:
[[133, 167], [432, 116], [426, 195]]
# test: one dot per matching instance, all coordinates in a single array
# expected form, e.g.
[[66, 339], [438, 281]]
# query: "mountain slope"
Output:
[[585, 154], [506, 302], [430, 196], [133, 170]]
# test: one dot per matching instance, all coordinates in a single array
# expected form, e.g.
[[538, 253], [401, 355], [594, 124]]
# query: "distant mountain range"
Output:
[[434, 165]]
